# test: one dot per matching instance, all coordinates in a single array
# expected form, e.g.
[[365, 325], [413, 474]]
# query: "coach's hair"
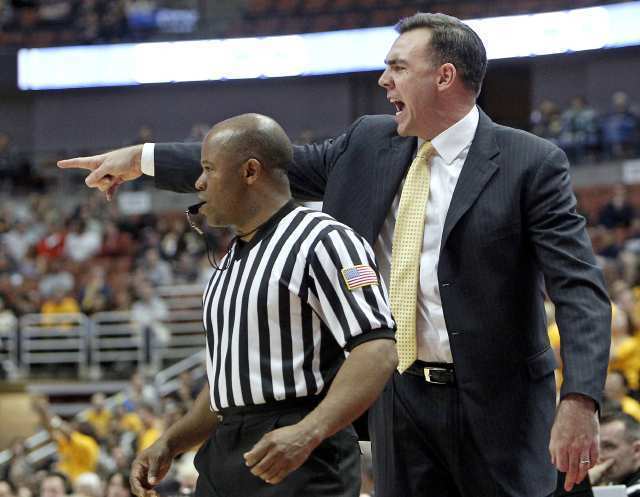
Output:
[[631, 425], [452, 41]]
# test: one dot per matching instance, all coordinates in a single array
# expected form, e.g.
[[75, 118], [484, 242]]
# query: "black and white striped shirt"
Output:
[[281, 317]]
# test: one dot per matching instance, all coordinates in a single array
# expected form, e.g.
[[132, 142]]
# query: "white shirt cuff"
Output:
[[147, 164]]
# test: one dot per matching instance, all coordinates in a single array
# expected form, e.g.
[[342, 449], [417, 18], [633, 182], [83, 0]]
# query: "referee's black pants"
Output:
[[332, 469]]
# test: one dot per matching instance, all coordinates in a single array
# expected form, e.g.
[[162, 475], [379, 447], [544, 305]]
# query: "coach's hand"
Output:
[[575, 437], [149, 468], [108, 170], [280, 452]]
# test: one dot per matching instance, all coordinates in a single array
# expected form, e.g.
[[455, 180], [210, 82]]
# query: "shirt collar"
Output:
[[453, 140]]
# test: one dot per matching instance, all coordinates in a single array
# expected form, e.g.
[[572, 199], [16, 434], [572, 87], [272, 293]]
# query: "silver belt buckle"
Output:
[[427, 376]]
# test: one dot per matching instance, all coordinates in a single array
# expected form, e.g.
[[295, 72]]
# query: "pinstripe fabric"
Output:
[[279, 319]]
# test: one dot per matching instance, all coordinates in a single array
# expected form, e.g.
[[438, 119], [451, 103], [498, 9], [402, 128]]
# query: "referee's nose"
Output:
[[201, 182]]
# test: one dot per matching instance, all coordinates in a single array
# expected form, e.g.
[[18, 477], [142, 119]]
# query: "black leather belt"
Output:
[[438, 373]]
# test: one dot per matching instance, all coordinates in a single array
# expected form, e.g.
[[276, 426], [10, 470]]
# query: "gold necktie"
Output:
[[405, 254]]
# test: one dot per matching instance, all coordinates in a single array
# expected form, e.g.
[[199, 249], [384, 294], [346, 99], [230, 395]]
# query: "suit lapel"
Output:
[[393, 162], [476, 172]]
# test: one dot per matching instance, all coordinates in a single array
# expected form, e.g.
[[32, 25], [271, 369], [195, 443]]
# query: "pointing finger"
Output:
[[89, 163]]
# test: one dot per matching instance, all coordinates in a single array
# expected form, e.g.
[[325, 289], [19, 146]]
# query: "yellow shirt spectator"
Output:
[[147, 437], [78, 454], [56, 305], [131, 422], [100, 421], [631, 406]]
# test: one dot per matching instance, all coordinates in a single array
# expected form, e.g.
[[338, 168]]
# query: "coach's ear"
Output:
[[251, 171]]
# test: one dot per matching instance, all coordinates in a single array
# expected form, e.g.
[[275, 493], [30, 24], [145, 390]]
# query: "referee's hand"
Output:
[[149, 468], [280, 452]]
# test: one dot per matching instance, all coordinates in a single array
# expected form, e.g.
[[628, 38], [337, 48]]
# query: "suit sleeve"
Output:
[[574, 281], [312, 165], [177, 166]]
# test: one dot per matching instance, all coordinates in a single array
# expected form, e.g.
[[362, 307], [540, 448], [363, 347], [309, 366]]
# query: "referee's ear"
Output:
[[251, 170]]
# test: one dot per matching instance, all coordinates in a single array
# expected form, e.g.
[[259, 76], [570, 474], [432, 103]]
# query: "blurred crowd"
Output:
[[94, 451], [589, 135], [36, 23], [40, 23], [93, 258]]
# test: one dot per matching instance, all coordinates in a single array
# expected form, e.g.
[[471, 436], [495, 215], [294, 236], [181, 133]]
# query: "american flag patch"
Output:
[[359, 276]]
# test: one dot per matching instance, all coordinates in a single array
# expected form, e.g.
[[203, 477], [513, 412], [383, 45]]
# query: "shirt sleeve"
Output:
[[346, 290], [147, 161]]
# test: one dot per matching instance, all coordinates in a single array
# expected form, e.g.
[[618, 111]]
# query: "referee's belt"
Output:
[[438, 373], [308, 403]]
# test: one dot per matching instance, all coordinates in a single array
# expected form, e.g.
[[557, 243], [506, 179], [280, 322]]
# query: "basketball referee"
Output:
[[299, 335]]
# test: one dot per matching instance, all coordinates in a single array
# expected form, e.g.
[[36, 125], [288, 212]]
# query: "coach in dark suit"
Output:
[[474, 413]]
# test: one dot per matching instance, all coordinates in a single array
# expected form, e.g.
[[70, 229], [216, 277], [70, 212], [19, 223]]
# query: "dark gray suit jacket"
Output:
[[511, 230]]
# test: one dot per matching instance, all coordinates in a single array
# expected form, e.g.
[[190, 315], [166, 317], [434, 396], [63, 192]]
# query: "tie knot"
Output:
[[425, 151]]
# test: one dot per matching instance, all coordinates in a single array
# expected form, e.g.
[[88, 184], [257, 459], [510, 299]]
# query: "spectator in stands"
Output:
[[125, 426], [18, 469], [56, 276], [113, 22], [625, 298], [148, 314], [150, 427], [617, 389], [95, 296], [617, 212], [54, 13], [8, 320], [115, 243], [98, 416], [619, 462], [579, 129], [8, 489], [186, 269], [546, 121], [88, 485], [138, 392], [625, 347], [78, 449], [6, 13], [19, 239], [620, 128], [59, 302], [81, 243], [156, 270], [55, 484], [188, 389], [122, 300], [118, 485], [173, 411], [51, 245]]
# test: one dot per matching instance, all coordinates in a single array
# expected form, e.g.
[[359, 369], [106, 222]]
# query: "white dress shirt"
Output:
[[452, 147]]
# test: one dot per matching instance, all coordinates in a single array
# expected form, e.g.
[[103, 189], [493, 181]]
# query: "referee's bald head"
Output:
[[253, 136]]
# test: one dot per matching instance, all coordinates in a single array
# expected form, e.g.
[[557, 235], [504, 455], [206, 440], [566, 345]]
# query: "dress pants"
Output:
[[422, 444], [332, 469]]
